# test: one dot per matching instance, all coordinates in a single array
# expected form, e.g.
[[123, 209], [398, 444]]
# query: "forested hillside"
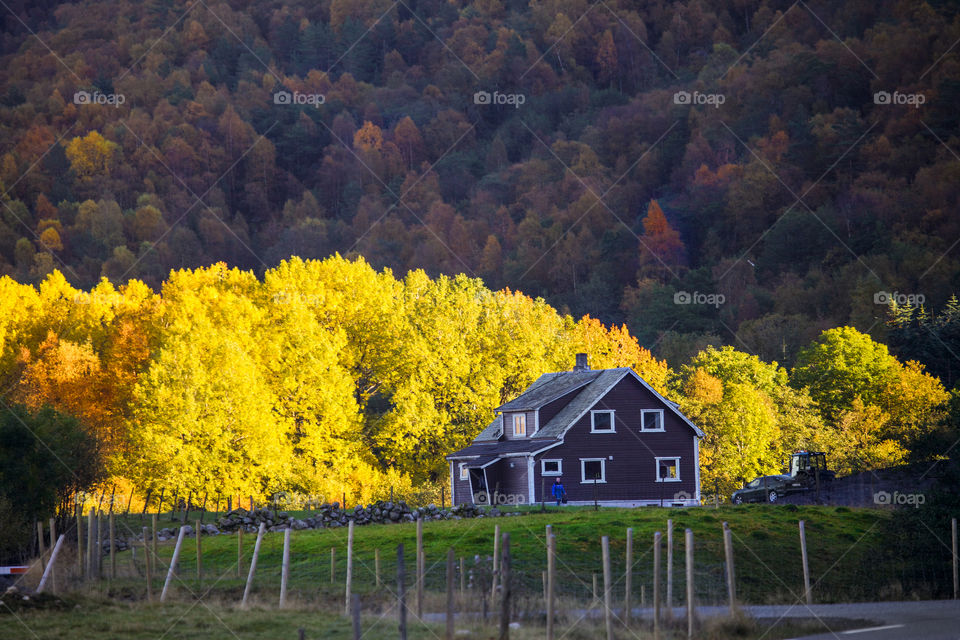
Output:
[[547, 146]]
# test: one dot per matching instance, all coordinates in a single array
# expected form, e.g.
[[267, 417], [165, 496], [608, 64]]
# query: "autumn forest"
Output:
[[309, 246]]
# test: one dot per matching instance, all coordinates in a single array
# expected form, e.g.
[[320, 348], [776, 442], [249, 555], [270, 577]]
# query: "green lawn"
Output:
[[842, 545]]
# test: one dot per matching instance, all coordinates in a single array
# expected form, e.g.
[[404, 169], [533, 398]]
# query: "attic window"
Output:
[[519, 425], [601, 422], [651, 420]]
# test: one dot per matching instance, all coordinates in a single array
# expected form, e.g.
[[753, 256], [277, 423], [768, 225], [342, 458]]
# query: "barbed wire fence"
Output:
[[139, 569]]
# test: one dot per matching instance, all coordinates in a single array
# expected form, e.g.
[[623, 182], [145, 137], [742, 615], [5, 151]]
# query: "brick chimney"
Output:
[[581, 364]]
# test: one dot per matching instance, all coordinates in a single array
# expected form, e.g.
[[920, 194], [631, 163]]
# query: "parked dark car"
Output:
[[763, 489]]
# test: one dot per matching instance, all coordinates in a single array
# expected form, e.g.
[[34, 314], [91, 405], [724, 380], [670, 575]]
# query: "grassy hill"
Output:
[[845, 545], [842, 544]]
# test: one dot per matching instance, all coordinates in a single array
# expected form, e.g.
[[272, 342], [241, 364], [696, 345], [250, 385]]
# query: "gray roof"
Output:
[[601, 383], [492, 431], [593, 385], [548, 388], [503, 447]]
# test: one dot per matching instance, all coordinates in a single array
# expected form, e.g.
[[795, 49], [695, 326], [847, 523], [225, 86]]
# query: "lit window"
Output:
[[651, 420], [601, 422], [519, 424], [551, 467], [593, 470], [668, 469]]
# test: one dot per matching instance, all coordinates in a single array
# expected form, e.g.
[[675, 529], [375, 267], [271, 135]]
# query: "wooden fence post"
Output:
[[669, 599], [450, 572], [53, 571], [355, 615], [113, 548], [376, 565], [198, 533], [80, 563], [153, 541], [401, 591], [607, 587], [551, 581], [91, 536], [147, 563], [173, 565], [285, 568], [806, 566], [656, 585], [419, 567], [99, 552], [506, 589], [956, 573], [691, 605], [496, 563], [628, 580], [239, 551], [349, 587], [49, 569], [728, 552], [333, 564], [253, 563]]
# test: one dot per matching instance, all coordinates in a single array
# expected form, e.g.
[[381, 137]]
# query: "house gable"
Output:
[[628, 457]]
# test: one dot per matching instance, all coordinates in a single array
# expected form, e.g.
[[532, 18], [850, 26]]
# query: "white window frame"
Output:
[[543, 467], [603, 471], [643, 413], [676, 464], [464, 471], [593, 423], [522, 420]]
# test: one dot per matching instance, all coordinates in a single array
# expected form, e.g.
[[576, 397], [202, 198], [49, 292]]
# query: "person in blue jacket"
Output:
[[558, 491]]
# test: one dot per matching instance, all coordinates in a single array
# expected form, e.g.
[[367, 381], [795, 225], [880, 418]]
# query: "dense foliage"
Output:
[[330, 377], [798, 198], [45, 459], [322, 377]]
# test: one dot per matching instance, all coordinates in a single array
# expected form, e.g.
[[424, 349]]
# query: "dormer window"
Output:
[[601, 422], [519, 425]]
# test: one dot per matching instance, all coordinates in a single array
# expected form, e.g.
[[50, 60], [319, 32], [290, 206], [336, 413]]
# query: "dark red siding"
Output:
[[631, 473]]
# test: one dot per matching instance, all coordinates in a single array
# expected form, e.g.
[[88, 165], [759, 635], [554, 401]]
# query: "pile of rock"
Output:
[[332, 515]]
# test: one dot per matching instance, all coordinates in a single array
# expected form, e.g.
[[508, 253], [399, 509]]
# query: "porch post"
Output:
[[531, 493]]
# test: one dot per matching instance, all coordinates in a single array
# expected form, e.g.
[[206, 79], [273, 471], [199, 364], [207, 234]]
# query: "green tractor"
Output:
[[808, 468]]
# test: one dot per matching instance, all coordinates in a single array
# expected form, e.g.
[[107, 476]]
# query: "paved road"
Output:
[[915, 620], [927, 620]]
